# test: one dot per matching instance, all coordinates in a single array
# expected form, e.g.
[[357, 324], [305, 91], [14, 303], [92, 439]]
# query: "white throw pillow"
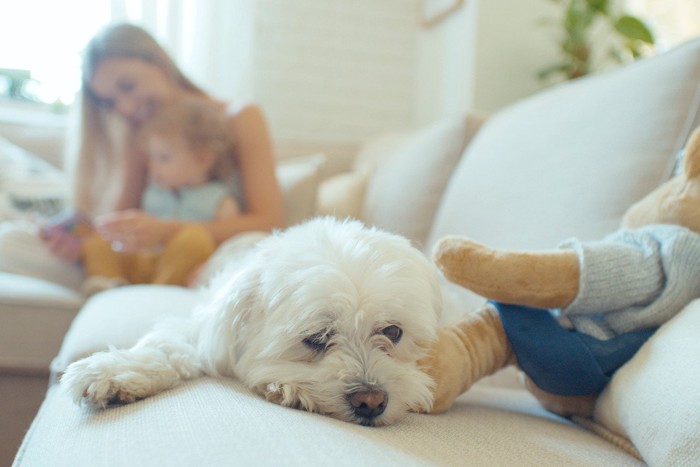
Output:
[[299, 178], [653, 400], [342, 195]]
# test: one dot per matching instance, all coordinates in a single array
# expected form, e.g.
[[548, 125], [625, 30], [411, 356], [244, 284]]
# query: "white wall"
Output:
[[445, 67], [512, 46], [336, 72]]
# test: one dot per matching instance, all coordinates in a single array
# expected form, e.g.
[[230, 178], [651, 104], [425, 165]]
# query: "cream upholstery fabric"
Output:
[[119, 317], [342, 195], [299, 178], [213, 423], [653, 399]]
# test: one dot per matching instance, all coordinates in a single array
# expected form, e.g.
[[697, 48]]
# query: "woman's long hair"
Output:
[[101, 138]]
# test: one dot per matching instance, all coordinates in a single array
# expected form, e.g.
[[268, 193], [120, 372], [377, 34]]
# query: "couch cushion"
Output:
[[342, 195], [119, 317], [299, 178], [404, 190], [569, 161], [653, 399]]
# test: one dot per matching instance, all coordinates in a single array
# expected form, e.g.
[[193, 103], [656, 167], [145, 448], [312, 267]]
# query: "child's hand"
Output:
[[63, 244], [131, 230], [62, 235]]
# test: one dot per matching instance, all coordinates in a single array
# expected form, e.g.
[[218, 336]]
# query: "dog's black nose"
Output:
[[368, 404]]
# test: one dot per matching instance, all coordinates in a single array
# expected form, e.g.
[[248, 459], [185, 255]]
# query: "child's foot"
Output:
[[95, 284]]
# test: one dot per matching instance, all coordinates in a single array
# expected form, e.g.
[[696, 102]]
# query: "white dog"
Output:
[[327, 316]]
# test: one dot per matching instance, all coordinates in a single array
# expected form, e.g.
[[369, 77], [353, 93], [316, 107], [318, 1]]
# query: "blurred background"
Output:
[[332, 73]]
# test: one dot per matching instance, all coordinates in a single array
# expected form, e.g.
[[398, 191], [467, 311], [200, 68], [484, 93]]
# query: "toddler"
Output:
[[186, 144]]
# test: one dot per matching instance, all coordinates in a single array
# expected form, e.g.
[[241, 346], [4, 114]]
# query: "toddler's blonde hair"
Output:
[[201, 125]]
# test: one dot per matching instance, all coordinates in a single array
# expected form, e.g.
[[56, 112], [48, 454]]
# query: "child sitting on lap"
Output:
[[186, 143]]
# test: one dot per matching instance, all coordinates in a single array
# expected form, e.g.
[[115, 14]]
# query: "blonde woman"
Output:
[[127, 76]]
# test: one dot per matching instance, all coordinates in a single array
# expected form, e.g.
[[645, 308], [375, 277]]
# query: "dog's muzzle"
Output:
[[367, 405]]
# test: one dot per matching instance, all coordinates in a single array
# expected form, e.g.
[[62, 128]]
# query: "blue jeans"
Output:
[[561, 361]]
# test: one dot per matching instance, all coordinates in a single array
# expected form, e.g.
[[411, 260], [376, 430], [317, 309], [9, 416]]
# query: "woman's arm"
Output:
[[257, 167], [228, 208]]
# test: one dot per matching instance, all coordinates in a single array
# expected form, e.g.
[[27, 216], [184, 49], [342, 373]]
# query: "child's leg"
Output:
[[99, 259], [104, 267], [186, 250], [142, 267]]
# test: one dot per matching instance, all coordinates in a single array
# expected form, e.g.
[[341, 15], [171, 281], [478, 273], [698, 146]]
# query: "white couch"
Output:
[[566, 162]]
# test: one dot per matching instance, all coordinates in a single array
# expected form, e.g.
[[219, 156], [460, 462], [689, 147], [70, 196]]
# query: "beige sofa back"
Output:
[[570, 161]]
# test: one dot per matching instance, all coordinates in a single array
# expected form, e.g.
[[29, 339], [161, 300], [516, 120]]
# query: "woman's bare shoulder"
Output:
[[245, 116], [241, 107]]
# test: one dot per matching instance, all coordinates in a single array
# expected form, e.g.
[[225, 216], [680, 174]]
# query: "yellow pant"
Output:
[[185, 251]]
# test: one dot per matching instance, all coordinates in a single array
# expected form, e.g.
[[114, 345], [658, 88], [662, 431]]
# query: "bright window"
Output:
[[46, 37], [672, 21], [208, 39]]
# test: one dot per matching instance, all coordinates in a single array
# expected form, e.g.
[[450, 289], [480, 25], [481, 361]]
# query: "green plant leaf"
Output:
[[601, 6], [633, 28]]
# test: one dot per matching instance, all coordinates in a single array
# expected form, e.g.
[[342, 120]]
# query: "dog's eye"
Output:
[[393, 332], [318, 342]]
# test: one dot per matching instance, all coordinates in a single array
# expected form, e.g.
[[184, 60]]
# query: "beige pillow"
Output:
[[654, 399], [299, 178], [405, 188], [342, 195]]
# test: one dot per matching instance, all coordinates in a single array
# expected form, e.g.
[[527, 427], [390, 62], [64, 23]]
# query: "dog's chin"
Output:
[[339, 408], [277, 396]]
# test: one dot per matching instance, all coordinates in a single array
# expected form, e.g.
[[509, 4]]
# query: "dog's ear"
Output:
[[224, 319]]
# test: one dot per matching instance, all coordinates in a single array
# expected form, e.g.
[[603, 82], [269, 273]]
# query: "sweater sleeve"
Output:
[[634, 278]]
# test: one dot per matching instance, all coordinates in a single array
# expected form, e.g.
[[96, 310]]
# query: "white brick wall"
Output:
[[335, 72]]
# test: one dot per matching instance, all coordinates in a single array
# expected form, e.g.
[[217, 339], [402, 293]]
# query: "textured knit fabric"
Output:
[[581, 365], [194, 204], [634, 279]]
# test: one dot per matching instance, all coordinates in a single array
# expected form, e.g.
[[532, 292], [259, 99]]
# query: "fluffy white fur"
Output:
[[308, 319]]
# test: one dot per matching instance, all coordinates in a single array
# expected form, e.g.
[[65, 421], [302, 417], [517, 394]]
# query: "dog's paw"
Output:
[[100, 380]]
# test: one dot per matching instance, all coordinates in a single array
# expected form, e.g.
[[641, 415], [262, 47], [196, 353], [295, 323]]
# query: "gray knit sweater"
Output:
[[634, 279]]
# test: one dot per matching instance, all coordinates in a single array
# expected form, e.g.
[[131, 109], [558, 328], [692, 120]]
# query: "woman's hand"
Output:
[[133, 230]]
